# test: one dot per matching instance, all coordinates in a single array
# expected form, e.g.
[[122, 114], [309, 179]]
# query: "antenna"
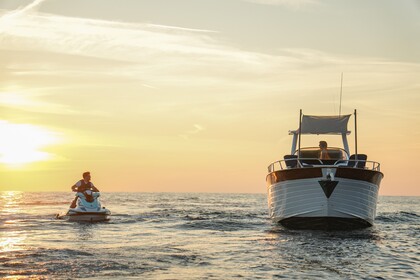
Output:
[[341, 93]]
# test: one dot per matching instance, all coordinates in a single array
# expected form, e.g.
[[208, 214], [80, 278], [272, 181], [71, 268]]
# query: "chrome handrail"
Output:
[[369, 165]]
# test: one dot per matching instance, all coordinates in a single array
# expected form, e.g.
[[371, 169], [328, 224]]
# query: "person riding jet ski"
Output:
[[86, 206], [82, 186]]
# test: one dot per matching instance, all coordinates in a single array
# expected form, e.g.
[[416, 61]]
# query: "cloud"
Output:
[[71, 49], [23, 10], [99, 38], [120, 41], [67, 51], [137, 50], [196, 129], [155, 54], [31, 102]]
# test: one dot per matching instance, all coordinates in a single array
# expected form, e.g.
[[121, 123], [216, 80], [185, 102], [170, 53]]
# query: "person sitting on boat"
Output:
[[323, 153], [83, 185]]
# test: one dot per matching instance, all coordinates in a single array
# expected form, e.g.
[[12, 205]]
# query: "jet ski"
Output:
[[88, 208]]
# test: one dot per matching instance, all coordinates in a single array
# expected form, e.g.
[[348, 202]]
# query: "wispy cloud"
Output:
[[23, 10], [139, 51], [196, 129], [24, 100], [148, 52], [160, 57], [154, 55], [99, 38]]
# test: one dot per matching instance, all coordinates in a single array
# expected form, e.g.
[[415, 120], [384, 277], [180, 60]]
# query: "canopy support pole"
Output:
[[345, 142]]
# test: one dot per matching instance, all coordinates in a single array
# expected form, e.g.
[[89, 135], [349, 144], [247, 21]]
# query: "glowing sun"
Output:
[[22, 143]]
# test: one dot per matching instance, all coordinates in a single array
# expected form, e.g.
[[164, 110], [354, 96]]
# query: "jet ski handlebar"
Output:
[[87, 193]]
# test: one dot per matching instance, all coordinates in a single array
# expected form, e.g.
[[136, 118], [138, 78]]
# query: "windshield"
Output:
[[314, 152]]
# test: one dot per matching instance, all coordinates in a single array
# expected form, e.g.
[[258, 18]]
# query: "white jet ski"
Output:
[[88, 209]]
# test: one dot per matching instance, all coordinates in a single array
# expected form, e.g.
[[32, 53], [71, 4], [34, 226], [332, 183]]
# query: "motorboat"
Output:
[[307, 192], [88, 208]]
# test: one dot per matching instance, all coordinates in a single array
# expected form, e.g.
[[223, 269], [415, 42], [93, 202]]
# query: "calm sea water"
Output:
[[198, 236]]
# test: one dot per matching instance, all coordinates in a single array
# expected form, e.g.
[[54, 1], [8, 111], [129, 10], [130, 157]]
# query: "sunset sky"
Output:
[[199, 95]]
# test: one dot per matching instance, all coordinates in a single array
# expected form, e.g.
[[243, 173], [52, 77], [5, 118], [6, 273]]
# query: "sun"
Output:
[[22, 143]]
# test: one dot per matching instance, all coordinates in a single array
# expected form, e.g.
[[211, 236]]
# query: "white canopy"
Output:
[[324, 124]]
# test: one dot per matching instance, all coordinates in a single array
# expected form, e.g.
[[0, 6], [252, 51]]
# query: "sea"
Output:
[[198, 236]]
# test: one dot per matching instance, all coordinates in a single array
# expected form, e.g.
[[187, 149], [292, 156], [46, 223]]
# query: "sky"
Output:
[[199, 95]]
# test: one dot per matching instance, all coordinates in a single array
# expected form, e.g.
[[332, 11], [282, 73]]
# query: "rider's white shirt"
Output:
[[79, 183]]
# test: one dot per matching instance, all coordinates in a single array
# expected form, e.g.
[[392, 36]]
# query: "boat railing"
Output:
[[293, 163]]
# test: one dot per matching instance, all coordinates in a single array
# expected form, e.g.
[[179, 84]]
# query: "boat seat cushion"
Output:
[[291, 161], [360, 163]]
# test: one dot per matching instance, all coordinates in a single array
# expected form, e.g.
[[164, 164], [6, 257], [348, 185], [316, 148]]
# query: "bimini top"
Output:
[[323, 125]]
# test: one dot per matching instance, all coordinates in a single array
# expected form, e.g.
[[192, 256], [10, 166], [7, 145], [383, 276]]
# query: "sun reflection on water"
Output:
[[11, 243], [10, 240], [9, 202]]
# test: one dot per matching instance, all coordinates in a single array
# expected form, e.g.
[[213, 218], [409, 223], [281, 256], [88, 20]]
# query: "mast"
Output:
[[355, 132], [300, 125], [341, 93]]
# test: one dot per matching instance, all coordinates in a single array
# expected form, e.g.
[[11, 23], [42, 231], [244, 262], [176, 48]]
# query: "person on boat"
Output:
[[323, 153], [83, 185]]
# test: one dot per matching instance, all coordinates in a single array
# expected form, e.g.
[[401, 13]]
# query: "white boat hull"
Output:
[[304, 203]]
